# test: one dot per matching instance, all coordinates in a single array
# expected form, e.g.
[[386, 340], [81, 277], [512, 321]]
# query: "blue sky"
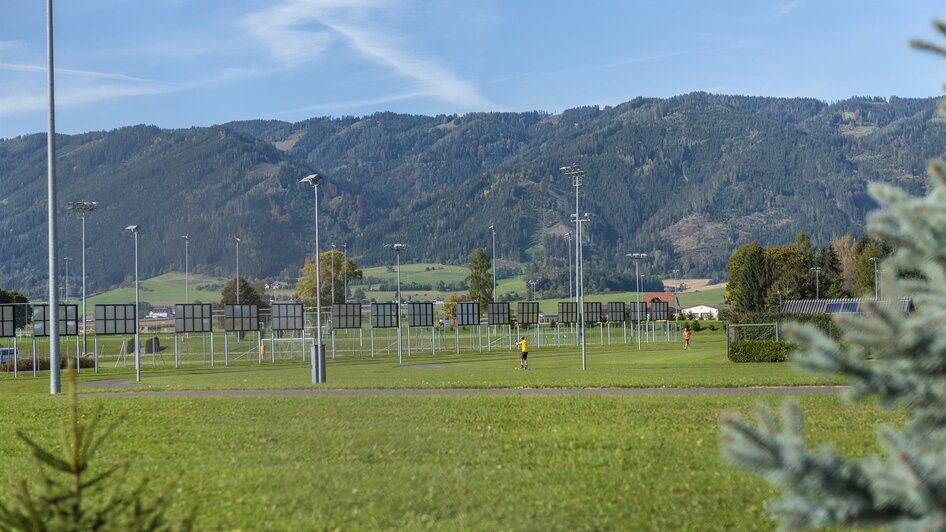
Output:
[[178, 63]]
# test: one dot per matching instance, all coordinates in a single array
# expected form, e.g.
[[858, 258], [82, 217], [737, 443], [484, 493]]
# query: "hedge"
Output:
[[759, 351], [42, 364]]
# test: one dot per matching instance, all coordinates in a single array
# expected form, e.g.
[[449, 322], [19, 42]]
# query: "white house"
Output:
[[702, 312]]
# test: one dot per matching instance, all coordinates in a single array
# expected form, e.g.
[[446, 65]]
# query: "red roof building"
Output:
[[670, 298]]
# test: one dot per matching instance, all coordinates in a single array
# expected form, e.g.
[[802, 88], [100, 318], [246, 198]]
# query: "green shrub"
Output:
[[25, 363], [759, 351]]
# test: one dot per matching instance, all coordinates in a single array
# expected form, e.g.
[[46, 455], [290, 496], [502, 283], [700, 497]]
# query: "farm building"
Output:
[[670, 298], [703, 312]]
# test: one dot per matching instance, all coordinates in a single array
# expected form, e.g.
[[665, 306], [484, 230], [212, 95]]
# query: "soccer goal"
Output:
[[750, 331]]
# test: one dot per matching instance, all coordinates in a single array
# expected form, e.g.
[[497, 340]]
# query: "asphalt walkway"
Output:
[[321, 392]]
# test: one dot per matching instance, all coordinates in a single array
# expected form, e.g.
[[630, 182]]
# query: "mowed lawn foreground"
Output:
[[511, 462]]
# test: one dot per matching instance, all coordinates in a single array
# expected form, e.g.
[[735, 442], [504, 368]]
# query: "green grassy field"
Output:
[[169, 288], [438, 462], [657, 364], [164, 290], [480, 462]]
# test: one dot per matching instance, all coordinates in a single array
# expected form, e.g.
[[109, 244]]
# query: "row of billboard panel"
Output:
[[198, 317]]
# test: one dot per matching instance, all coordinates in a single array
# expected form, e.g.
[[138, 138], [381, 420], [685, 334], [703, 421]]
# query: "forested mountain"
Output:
[[686, 179]]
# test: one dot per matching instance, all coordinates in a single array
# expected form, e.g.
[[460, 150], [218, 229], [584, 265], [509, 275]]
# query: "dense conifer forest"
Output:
[[686, 179]]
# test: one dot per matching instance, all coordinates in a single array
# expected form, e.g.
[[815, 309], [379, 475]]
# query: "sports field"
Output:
[[438, 461]]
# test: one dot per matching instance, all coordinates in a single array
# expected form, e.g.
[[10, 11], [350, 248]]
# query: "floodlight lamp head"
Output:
[[396, 247], [238, 240], [637, 255], [186, 237], [132, 228], [313, 179], [572, 170], [82, 206]]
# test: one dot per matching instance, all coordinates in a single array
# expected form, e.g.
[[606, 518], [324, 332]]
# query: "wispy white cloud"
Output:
[[91, 87], [297, 31], [27, 100], [9, 45], [16, 67], [787, 8]]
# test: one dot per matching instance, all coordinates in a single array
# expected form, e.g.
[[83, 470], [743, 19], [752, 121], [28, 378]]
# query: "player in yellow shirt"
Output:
[[523, 353]]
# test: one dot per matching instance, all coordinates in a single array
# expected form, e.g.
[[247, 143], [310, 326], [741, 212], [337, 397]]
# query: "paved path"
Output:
[[313, 392]]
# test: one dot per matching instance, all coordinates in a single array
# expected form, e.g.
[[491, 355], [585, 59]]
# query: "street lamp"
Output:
[[187, 239], [817, 270], [637, 258], [397, 249], [493, 229], [315, 180], [84, 208], [134, 229], [874, 260], [238, 268]]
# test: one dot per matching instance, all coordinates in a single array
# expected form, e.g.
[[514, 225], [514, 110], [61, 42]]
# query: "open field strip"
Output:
[[443, 461], [660, 364], [162, 290]]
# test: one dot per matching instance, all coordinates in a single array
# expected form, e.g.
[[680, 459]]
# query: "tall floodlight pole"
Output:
[[580, 274], [397, 248], [577, 174], [568, 238], [637, 257], [493, 229], [314, 180], [238, 268], [84, 208], [134, 229], [532, 284], [817, 270], [876, 292], [65, 288], [345, 272], [55, 378], [333, 274], [187, 239]]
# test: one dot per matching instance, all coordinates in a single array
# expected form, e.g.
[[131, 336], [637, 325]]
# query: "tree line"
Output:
[[759, 277]]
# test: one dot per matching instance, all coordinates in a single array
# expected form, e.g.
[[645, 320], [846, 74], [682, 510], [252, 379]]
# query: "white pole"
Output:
[[55, 377], [238, 263], [137, 312], [639, 313], [186, 279], [318, 292]]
